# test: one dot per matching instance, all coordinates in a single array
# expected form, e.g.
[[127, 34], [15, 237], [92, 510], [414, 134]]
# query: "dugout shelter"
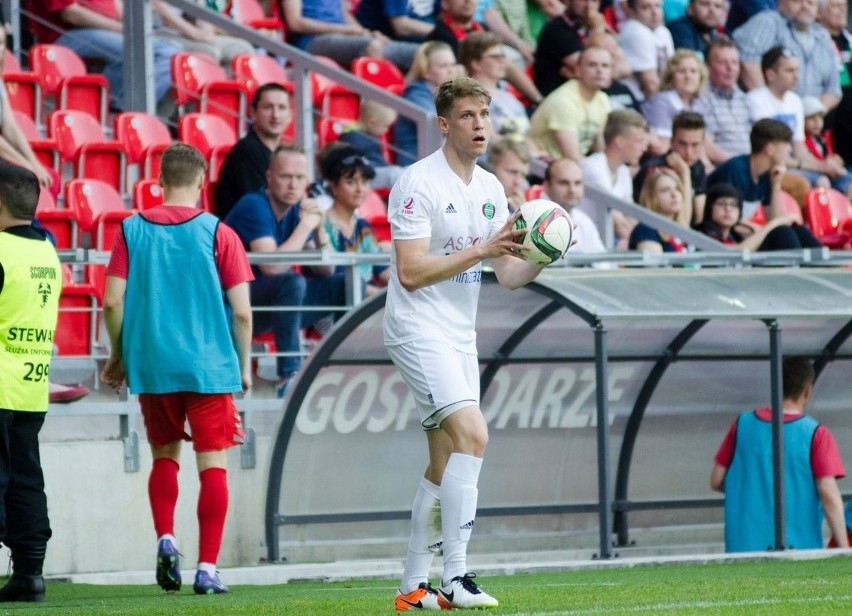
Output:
[[606, 395]]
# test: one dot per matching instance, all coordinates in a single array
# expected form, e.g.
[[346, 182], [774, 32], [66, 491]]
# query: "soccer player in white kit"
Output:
[[447, 216]]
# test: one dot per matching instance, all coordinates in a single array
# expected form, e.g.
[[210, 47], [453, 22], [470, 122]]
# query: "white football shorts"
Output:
[[442, 379]]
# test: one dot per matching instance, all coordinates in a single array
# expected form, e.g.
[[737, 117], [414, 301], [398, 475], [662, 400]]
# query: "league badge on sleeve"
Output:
[[406, 205]]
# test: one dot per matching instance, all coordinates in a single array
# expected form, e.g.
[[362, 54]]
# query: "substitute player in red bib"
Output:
[[447, 216], [177, 311]]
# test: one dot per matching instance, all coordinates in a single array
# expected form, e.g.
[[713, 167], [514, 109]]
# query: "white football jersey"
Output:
[[430, 200]]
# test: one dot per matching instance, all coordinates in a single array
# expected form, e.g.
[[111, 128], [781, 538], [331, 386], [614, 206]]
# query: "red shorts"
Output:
[[214, 421]]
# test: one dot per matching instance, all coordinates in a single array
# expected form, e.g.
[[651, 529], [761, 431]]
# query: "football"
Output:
[[548, 231]]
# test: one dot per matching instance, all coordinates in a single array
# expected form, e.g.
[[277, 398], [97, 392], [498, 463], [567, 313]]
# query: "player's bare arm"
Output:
[[238, 298], [113, 373], [418, 269]]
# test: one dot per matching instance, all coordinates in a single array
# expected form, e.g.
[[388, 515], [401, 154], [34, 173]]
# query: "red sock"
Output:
[[212, 508], [163, 494]]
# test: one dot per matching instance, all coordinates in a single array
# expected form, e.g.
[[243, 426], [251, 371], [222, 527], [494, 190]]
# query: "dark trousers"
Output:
[[792, 237], [24, 525], [293, 289]]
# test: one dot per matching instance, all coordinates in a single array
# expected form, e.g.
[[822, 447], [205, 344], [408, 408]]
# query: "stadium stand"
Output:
[[25, 95], [340, 102], [250, 13]]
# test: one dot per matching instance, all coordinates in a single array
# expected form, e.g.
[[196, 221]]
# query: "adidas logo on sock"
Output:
[[450, 209], [468, 526], [436, 547]]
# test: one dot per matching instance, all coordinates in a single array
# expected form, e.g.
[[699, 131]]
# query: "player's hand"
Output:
[[113, 373], [245, 378], [506, 241]]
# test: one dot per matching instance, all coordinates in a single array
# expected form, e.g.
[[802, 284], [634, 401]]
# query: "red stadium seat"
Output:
[[138, 131], [151, 160], [792, 207], [320, 83], [77, 323], [205, 132], [44, 149], [821, 220], [105, 229], [534, 192], [378, 71], [147, 193], [340, 102], [24, 90], [81, 141], [62, 224], [200, 81], [10, 62], [330, 130], [254, 70], [63, 75], [841, 210], [89, 199], [217, 158]]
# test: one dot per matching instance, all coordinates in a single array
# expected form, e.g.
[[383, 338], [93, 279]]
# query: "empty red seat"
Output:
[[200, 81], [255, 69], [250, 13], [137, 131], [81, 141], [25, 95], [822, 222], [534, 192], [380, 72], [205, 131], [147, 193], [62, 224], [151, 161], [63, 74], [45, 149], [89, 199], [340, 102], [77, 323]]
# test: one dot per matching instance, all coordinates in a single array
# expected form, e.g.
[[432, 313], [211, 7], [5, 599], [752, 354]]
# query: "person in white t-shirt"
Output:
[[777, 99], [625, 141], [647, 44], [563, 184], [447, 215]]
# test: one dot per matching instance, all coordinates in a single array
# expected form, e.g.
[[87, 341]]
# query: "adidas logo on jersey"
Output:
[[450, 209], [468, 526]]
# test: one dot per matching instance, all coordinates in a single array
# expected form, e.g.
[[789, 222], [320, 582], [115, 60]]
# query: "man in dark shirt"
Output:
[[561, 41], [687, 144], [699, 26], [244, 169]]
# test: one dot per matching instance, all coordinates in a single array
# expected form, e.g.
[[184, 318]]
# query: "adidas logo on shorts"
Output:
[[467, 526]]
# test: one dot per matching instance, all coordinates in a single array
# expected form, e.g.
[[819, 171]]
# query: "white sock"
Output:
[[458, 510], [208, 568], [167, 537], [425, 536]]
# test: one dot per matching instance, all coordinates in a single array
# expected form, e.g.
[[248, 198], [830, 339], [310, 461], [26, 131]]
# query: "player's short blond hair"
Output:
[[182, 165], [455, 89]]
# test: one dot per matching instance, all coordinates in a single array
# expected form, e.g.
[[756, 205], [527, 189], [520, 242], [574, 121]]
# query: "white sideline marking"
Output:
[[683, 605]]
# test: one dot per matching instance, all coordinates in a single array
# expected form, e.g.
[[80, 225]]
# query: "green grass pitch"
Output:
[[767, 587]]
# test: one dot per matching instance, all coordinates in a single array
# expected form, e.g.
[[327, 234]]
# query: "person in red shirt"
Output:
[[94, 29], [182, 342]]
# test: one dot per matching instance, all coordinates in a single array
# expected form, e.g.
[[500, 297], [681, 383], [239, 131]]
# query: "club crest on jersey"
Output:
[[488, 209], [406, 205]]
